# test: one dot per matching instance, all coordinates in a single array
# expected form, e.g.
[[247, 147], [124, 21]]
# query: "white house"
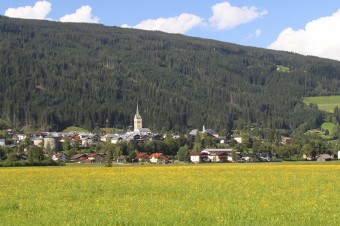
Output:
[[157, 158], [2, 142], [38, 141], [219, 155], [198, 157], [238, 138]]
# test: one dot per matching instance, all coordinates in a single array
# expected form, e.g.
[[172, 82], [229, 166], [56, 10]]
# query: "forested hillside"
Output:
[[60, 74]]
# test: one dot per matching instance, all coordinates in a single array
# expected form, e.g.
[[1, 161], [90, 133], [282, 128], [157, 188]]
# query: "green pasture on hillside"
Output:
[[206, 194], [326, 103], [282, 68], [75, 129]]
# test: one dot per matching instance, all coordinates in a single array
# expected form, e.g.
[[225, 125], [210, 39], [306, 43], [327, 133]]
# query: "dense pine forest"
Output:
[[54, 75]]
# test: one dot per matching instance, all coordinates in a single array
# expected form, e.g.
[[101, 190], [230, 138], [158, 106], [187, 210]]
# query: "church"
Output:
[[138, 124], [137, 121]]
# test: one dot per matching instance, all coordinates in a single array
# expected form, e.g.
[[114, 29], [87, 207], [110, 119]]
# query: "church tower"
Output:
[[137, 121]]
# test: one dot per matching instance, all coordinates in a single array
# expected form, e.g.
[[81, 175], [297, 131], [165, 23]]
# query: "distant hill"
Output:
[[88, 75]]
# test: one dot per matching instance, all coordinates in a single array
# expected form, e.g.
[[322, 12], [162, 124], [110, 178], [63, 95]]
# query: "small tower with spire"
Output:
[[137, 121]]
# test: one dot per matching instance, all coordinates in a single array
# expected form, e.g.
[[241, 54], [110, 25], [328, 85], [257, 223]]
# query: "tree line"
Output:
[[55, 75]]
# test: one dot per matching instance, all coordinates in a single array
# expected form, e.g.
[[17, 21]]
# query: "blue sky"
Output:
[[309, 27]]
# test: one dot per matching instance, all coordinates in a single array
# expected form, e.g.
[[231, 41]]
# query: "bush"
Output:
[[9, 163]]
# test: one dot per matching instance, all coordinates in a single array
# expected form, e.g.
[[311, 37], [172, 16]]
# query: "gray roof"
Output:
[[210, 131], [137, 115], [194, 132], [144, 130], [209, 151], [325, 156], [119, 133]]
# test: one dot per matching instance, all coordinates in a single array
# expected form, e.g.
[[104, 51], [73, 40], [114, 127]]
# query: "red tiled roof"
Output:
[[155, 155], [92, 155], [141, 154]]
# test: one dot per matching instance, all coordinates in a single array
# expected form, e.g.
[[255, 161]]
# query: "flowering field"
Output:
[[220, 194]]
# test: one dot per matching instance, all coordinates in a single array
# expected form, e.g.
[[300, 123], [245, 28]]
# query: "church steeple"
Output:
[[137, 121], [137, 112]]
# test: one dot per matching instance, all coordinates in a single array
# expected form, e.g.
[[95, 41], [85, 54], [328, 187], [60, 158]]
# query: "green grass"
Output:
[[328, 126], [110, 130], [74, 128], [3, 133], [325, 103], [325, 126], [106, 130], [207, 194], [282, 68]]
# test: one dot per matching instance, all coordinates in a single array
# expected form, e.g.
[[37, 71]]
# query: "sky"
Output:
[[308, 27]]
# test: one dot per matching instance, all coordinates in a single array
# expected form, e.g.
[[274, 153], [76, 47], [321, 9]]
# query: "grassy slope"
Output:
[[74, 128], [326, 103], [328, 126], [282, 68], [212, 194]]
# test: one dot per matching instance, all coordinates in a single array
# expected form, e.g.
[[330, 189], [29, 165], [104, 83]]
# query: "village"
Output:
[[89, 148]]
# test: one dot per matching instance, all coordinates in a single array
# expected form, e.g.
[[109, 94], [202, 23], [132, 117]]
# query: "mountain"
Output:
[[60, 74]]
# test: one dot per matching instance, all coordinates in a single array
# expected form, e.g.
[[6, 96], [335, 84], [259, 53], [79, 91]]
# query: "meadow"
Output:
[[212, 194], [326, 103]]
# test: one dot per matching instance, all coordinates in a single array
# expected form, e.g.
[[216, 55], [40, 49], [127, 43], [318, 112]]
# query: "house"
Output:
[[175, 136], [248, 157], [238, 138], [95, 158], [2, 142], [158, 158], [75, 139], [16, 138], [157, 137], [51, 143], [213, 150], [116, 139], [121, 159], [223, 140], [78, 157], [198, 157], [137, 137], [324, 158], [144, 131], [58, 156], [264, 157], [211, 133], [38, 141], [207, 132], [307, 157], [287, 140], [142, 156], [194, 132], [219, 155]]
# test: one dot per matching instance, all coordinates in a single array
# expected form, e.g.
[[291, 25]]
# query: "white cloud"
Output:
[[226, 16], [39, 11], [83, 15], [125, 26], [179, 24], [320, 37]]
